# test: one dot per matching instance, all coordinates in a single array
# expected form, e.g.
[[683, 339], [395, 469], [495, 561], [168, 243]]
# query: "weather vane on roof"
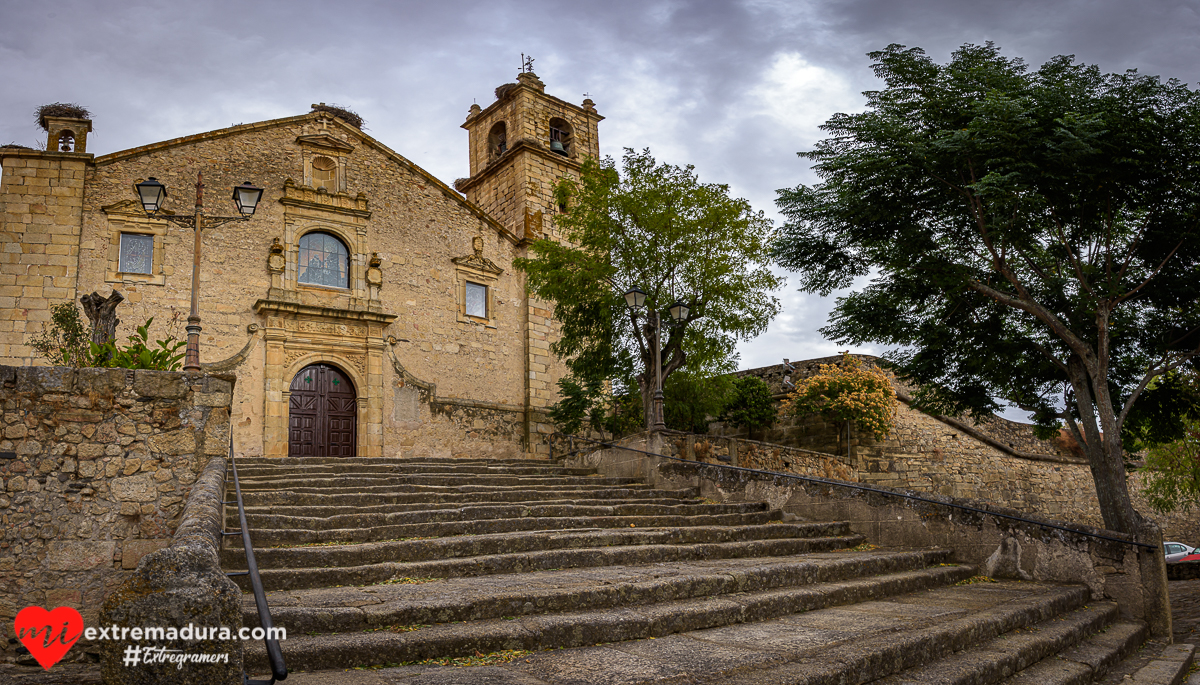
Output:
[[526, 64]]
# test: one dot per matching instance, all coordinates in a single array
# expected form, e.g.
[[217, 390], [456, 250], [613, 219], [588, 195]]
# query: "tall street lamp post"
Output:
[[636, 299], [152, 194]]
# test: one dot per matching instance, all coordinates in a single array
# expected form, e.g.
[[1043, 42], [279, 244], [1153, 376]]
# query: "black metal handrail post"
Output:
[[853, 486], [274, 653]]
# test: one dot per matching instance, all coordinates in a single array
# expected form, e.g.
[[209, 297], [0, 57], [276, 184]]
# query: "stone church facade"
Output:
[[367, 307]]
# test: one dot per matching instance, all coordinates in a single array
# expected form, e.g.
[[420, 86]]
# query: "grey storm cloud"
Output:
[[735, 88]]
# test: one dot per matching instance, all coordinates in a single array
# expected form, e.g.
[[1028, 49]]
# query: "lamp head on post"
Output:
[[635, 297], [151, 193], [679, 311], [246, 198]]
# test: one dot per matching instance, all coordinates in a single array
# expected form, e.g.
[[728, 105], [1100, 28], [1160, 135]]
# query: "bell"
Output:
[[557, 146]]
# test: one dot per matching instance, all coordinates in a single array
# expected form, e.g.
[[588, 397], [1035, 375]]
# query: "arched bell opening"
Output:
[[322, 413]]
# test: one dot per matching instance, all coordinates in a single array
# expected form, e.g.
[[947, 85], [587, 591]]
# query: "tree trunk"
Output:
[[102, 312], [1106, 457]]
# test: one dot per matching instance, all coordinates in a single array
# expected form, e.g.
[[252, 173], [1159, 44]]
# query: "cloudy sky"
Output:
[[734, 88]]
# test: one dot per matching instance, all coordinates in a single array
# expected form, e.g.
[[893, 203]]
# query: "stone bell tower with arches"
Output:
[[520, 146]]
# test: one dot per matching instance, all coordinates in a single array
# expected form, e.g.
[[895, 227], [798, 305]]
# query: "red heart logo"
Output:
[[48, 635]]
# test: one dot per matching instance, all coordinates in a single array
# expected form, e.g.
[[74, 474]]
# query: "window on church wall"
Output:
[[323, 260], [476, 300], [137, 253], [498, 139], [560, 137], [324, 171]]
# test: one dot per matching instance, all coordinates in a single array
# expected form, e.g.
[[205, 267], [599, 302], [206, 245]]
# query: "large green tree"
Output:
[[1029, 235], [657, 227]]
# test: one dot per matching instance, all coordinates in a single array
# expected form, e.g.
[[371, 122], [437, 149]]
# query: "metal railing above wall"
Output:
[[852, 486], [274, 653]]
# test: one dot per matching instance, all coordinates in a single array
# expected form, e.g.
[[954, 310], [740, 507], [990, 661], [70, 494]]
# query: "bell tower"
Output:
[[520, 146]]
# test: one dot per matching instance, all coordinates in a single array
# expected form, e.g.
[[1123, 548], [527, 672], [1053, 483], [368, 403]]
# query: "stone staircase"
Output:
[[393, 562]]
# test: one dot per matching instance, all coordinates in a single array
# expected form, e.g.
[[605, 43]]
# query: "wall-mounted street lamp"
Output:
[[636, 299], [152, 193]]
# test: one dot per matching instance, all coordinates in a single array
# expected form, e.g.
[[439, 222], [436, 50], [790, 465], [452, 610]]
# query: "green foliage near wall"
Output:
[[749, 404], [847, 391], [657, 227], [67, 341], [690, 400]]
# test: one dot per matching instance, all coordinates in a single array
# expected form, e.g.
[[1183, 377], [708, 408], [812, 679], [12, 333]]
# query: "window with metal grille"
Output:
[[137, 253]]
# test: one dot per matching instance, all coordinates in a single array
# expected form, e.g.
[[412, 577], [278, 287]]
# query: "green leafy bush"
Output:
[[849, 391], [139, 354], [66, 339], [750, 405]]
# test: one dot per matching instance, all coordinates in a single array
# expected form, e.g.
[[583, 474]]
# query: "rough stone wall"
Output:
[[999, 546], [96, 466], [923, 453], [41, 194]]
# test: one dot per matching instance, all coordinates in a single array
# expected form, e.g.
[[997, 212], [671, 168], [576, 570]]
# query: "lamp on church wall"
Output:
[[152, 193]]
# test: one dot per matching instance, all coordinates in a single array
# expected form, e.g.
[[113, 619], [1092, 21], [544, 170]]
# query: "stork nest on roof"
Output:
[[65, 110], [342, 113]]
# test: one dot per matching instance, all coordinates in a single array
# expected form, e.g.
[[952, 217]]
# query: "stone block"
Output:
[[213, 399], [160, 384], [78, 555], [102, 382], [182, 441], [89, 451], [139, 488], [132, 551], [63, 598], [45, 379], [175, 586]]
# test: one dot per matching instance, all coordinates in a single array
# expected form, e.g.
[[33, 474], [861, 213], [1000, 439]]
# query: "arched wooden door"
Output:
[[322, 414]]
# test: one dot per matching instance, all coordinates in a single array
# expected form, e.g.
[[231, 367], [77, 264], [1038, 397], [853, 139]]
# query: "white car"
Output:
[[1177, 550]]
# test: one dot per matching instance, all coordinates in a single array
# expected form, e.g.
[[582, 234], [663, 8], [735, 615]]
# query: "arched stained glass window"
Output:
[[324, 260]]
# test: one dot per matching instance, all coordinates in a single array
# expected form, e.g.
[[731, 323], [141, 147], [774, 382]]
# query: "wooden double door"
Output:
[[322, 414]]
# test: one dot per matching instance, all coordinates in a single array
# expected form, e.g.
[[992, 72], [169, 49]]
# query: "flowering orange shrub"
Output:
[[847, 391]]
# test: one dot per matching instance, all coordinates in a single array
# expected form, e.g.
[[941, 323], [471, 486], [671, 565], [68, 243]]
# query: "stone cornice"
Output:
[[41, 154], [528, 145], [518, 87], [304, 197], [283, 307]]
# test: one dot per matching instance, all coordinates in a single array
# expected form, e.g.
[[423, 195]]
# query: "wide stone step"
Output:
[[420, 461], [722, 638], [387, 483], [418, 494], [471, 599], [354, 518], [323, 512], [285, 536], [1087, 661], [370, 563], [327, 470]]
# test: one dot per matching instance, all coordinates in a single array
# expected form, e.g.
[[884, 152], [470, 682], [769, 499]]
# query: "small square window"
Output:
[[137, 253], [476, 299]]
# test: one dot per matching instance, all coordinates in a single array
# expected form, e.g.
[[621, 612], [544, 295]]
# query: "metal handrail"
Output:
[[853, 486], [274, 653]]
